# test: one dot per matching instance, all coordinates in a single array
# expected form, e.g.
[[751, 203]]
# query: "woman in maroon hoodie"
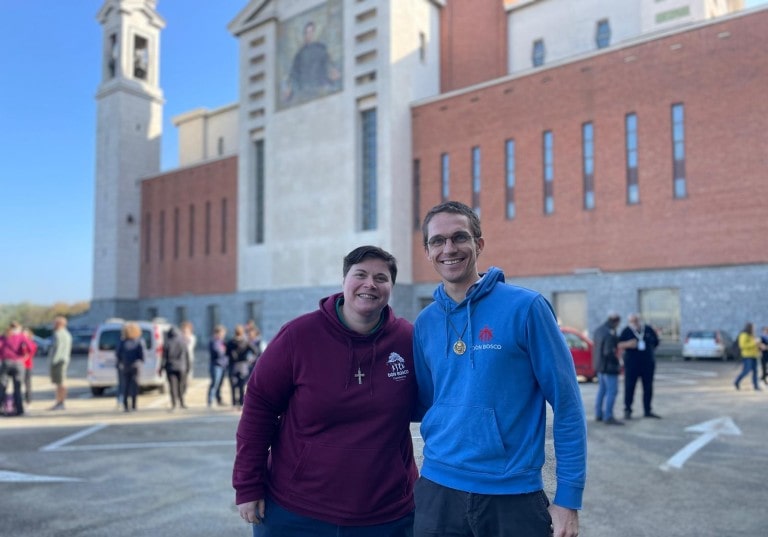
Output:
[[324, 441]]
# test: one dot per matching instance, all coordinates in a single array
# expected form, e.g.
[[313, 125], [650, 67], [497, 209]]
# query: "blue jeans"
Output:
[[279, 522], [608, 387], [748, 365], [446, 512], [217, 375]]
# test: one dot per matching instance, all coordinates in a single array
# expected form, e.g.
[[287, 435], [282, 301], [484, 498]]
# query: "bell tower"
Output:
[[128, 131]]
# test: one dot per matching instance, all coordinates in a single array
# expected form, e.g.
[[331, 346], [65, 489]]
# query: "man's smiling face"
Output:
[[456, 263]]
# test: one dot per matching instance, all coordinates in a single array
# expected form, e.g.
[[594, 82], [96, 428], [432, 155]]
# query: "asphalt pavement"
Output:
[[92, 470]]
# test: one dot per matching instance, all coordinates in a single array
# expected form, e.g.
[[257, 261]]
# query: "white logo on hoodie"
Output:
[[397, 363]]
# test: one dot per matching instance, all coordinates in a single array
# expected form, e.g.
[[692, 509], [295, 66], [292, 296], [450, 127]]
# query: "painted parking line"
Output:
[[59, 444], [18, 477], [147, 445]]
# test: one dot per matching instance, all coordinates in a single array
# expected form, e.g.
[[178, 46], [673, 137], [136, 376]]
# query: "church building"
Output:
[[614, 151]]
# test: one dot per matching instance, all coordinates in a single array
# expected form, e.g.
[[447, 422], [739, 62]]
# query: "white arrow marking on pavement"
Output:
[[710, 430], [16, 477]]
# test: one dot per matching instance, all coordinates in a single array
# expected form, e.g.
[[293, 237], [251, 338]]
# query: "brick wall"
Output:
[[718, 71], [189, 268], [473, 42]]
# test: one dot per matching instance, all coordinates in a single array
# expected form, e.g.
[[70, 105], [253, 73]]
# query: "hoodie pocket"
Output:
[[464, 437], [351, 481]]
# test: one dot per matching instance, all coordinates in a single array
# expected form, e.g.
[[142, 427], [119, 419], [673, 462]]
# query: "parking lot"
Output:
[[92, 470]]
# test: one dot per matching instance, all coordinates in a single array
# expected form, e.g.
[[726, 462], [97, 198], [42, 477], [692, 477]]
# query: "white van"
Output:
[[102, 370]]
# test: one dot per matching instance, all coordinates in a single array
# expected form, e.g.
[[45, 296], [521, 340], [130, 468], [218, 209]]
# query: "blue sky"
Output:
[[50, 72]]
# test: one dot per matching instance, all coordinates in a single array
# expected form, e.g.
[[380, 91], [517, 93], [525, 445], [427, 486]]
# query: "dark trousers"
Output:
[[12, 371], [634, 370], [445, 512], [279, 522], [27, 385], [764, 363], [176, 384], [238, 382], [130, 386]]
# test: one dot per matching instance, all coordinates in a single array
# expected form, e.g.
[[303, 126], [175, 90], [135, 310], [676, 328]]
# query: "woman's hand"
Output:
[[252, 512]]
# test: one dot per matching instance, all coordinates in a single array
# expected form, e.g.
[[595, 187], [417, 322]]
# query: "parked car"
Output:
[[81, 340], [581, 350], [708, 344], [102, 371]]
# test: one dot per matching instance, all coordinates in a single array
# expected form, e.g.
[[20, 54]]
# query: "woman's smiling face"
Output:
[[367, 287]]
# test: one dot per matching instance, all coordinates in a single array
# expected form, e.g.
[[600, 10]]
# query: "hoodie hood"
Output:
[[458, 318], [361, 347]]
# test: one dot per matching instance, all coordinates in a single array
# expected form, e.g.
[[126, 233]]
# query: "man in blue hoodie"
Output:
[[489, 356]]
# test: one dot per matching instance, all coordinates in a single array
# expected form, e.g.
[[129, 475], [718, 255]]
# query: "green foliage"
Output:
[[36, 316]]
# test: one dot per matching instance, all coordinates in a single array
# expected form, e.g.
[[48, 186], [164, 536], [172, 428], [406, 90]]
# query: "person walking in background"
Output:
[[131, 353], [750, 351], [188, 333], [605, 356], [217, 348], [764, 357], [13, 349], [489, 356], [29, 364], [59, 355], [253, 333], [639, 363], [176, 365], [239, 352], [324, 444]]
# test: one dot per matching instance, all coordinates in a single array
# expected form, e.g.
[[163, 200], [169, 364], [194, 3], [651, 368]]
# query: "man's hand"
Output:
[[565, 522]]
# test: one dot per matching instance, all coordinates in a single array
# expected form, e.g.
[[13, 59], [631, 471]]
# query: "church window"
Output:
[[257, 188], [537, 54], [369, 164], [633, 190], [191, 230], [445, 176], [176, 233], [588, 164], [603, 33], [509, 164], [207, 247], [476, 179], [113, 55], [140, 57], [548, 143], [416, 193], [161, 236], [147, 237], [678, 149], [223, 225]]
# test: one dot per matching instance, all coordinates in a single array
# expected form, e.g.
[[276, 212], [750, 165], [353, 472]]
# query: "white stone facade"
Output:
[[312, 165], [129, 126], [568, 28]]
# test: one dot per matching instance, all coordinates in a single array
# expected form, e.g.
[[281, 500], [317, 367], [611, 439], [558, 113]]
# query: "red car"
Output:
[[581, 350]]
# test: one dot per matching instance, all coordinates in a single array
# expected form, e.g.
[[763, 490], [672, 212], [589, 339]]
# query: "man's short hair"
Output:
[[455, 207]]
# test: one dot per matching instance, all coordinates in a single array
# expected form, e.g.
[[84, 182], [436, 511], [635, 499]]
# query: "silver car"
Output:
[[708, 344]]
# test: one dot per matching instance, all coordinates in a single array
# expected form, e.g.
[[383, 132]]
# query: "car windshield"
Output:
[[703, 334], [575, 342], [109, 339]]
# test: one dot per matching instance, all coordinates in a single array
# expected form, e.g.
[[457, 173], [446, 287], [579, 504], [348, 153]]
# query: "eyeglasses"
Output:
[[438, 241]]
